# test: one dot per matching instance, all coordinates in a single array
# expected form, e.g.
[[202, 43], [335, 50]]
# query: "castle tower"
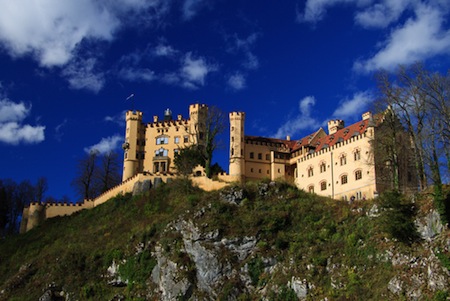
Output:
[[134, 144], [237, 145], [197, 115], [335, 125]]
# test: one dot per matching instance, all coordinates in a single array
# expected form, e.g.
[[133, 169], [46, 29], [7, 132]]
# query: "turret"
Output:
[[133, 145], [237, 145], [335, 125], [197, 115]]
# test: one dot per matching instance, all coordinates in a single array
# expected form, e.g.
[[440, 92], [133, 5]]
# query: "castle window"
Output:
[[176, 151], [177, 139], [186, 139], [232, 139], [232, 151], [259, 170], [344, 179], [358, 175], [251, 169], [323, 167], [311, 189], [259, 156], [268, 157], [161, 152], [162, 140], [343, 160], [323, 185], [310, 172], [357, 155], [252, 155]]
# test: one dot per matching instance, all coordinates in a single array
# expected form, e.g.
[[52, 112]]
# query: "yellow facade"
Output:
[[151, 147], [339, 164]]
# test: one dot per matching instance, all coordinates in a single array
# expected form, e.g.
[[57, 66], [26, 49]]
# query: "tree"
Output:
[[210, 126], [84, 181], [188, 158], [392, 150], [107, 174], [40, 189], [420, 99]]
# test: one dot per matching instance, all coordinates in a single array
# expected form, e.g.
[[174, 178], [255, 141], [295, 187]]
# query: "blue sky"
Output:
[[67, 68]]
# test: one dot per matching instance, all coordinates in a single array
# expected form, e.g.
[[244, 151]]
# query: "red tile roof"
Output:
[[342, 135]]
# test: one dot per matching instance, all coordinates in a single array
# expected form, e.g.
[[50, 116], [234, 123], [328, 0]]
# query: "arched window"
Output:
[[357, 155], [323, 185], [344, 179], [358, 174], [343, 159], [310, 171], [323, 167], [311, 188], [161, 152]]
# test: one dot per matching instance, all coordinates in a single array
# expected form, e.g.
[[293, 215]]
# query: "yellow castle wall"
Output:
[[334, 170]]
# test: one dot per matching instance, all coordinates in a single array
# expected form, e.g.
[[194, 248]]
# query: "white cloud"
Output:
[[81, 74], [302, 121], [245, 46], [191, 7], [315, 10], [354, 107], [11, 111], [420, 38], [164, 50], [52, 30], [237, 81], [105, 146], [137, 74], [58, 130], [118, 118], [381, 14], [194, 71], [12, 131]]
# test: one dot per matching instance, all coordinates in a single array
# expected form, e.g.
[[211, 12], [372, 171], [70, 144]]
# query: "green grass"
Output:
[[330, 243]]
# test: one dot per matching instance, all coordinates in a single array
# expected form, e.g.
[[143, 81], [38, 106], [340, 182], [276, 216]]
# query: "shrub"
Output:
[[255, 269], [397, 217]]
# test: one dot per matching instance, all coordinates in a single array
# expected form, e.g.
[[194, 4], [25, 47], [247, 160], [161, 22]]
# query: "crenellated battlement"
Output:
[[133, 115], [237, 114]]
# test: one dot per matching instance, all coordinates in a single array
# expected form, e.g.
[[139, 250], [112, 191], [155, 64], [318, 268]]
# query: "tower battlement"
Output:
[[335, 125]]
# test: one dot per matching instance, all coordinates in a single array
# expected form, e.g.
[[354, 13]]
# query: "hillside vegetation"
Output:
[[264, 240]]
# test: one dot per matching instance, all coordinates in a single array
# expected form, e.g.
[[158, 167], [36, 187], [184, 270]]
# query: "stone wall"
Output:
[[36, 213]]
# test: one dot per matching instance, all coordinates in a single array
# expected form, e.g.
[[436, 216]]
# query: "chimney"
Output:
[[288, 138]]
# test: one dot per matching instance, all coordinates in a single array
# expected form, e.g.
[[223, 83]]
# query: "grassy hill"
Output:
[[300, 245]]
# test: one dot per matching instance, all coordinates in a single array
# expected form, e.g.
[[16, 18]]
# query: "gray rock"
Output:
[[232, 195], [395, 286], [430, 225], [141, 187], [299, 287], [166, 274], [112, 274]]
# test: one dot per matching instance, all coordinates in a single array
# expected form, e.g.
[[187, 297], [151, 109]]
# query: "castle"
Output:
[[339, 164]]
